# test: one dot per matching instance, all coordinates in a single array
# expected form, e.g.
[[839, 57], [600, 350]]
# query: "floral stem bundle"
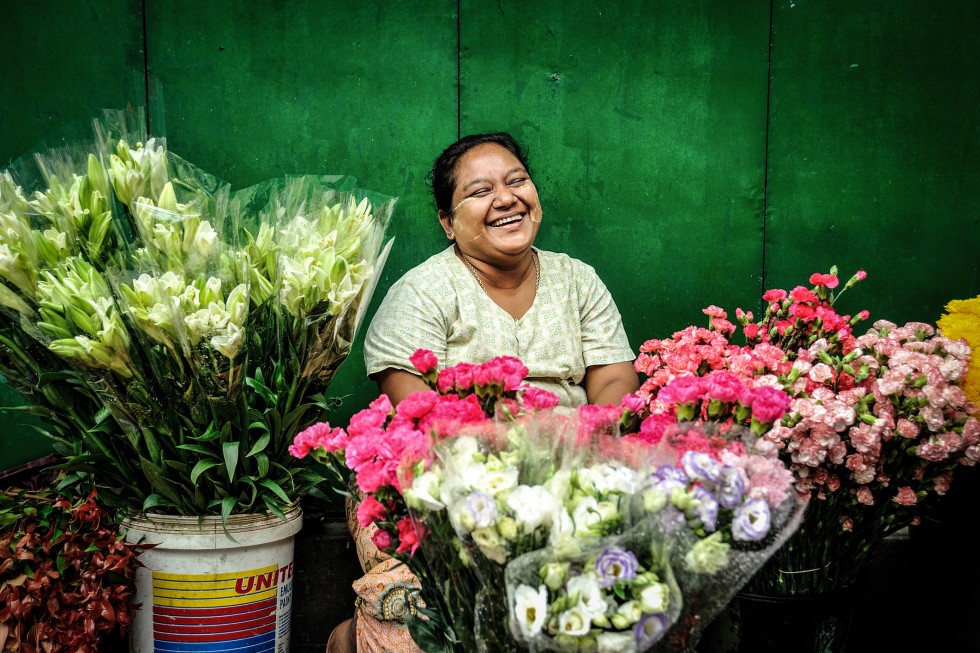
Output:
[[176, 334]]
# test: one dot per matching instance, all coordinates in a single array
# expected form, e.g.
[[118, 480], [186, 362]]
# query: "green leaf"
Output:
[[196, 448], [210, 434], [227, 506], [259, 445], [154, 500], [262, 464], [275, 489], [230, 451], [201, 467], [261, 390], [159, 481]]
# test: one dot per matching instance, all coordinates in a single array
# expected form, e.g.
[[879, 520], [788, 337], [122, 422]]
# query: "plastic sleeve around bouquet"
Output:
[[722, 516], [613, 594], [480, 503], [316, 248]]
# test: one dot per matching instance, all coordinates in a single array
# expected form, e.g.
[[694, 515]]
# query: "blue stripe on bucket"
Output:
[[264, 643]]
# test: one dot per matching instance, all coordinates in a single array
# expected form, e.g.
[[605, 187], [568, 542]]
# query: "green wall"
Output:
[[693, 152]]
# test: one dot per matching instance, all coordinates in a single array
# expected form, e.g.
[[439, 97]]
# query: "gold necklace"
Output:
[[477, 274]]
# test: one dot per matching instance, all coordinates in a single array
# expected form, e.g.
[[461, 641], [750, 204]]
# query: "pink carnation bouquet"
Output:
[[876, 424]]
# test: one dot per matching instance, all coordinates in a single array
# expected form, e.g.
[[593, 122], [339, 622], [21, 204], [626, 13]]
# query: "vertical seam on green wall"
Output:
[[459, 67], [146, 70], [765, 157]]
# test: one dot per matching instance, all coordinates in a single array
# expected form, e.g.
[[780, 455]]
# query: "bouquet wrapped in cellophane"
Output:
[[536, 528], [176, 334]]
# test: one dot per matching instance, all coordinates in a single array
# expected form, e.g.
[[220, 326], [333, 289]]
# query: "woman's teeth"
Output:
[[507, 221]]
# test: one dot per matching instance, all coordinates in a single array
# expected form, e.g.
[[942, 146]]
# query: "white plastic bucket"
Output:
[[202, 592]]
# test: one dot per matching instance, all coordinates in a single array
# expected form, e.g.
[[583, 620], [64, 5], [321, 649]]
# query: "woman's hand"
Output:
[[398, 384], [608, 384]]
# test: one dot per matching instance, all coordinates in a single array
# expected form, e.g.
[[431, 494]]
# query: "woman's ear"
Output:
[[447, 225]]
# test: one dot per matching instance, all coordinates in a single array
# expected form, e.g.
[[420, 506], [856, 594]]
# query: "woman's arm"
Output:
[[398, 384], [608, 384]]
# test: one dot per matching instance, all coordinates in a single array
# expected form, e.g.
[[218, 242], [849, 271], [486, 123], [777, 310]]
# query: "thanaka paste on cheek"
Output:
[[458, 225]]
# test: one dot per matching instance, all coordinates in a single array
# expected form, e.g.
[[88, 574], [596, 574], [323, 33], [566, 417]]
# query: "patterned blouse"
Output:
[[438, 305]]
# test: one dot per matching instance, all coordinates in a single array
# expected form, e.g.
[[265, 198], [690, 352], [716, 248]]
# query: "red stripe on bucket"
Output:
[[244, 608]]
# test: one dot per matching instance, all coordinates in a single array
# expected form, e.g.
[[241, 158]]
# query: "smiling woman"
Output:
[[490, 293]]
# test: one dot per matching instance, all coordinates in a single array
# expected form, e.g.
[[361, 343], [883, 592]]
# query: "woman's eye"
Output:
[[518, 182], [480, 192]]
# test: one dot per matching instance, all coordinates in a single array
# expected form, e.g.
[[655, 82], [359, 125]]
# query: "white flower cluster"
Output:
[[492, 510]]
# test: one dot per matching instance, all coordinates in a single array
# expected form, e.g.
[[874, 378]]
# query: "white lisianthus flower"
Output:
[[589, 594], [425, 492], [560, 485], [491, 544], [654, 500], [607, 477], [553, 574], [530, 609], [708, 556], [591, 517], [507, 527], [533, 506], [491, 482], [654, 598], [574, 622], [630, 612]]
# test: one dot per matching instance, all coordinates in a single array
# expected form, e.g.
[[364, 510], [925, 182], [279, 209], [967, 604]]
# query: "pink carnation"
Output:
[[768, 404], [369, 511], [593, 420], [828, 280], [538, 399], [423, 360], [633, 403], [774, 295], [409, 536], [801, 294], [382, 539], [905, 497], [714, 311]]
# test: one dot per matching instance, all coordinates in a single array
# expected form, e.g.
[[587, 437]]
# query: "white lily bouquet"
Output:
[[175, 334]]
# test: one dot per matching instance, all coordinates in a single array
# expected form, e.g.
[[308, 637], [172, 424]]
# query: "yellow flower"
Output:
[[962, 321]]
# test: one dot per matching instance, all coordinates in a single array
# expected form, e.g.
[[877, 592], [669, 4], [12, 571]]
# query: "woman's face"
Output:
[[496, 211]]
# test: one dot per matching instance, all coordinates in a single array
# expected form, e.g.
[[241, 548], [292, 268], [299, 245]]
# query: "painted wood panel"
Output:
[[645, 125], [873, 152]]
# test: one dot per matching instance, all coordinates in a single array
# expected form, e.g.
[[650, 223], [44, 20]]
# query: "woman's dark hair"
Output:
[[443, 175]]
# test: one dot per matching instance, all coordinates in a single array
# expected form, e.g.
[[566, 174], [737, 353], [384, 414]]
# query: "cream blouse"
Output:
[[438, 305]]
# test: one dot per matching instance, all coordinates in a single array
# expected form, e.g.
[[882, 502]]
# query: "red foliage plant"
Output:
[[66, 575]]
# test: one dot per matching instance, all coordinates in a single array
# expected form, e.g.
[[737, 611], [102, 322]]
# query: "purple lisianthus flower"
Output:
[[482, 508], [669, 472], [615, 563], [649, 629], [667, 478], [669, 520], [751, 521], [706, 508], [701, 466], [730, 487]]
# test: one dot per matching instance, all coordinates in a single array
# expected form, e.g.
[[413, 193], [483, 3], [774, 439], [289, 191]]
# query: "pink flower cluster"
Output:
[[875, 423], [384, 446], [899, 433]]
